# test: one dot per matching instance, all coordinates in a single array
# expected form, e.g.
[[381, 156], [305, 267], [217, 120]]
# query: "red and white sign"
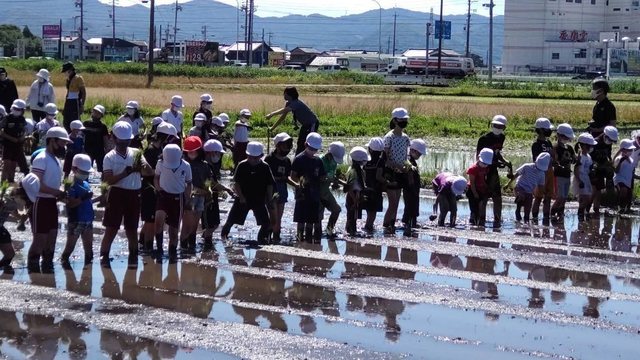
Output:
[[50, 31]]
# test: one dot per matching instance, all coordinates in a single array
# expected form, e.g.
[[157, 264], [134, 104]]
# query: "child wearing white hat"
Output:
[[253, 185], [133, 117], [448, 187], [124, 176], [478, 192], [396, 147], [307, 171], [206, 105], [354, 186], [374, 183], [565, 159], [581, 175], [41, 93], [330, 161], [12, 132], [173, 182], [241, 136], [76, 146], [213, 152], [79, 211], [47, 122], [411, 191], [603, 170], [542, 144], [280, 166], [173, 115], [623, 178], [529, 178]]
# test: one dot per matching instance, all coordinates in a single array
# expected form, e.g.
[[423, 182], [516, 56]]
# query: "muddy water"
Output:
[[563, 291]]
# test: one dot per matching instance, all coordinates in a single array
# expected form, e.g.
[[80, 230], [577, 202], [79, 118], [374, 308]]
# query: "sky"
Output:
[[335, 8]]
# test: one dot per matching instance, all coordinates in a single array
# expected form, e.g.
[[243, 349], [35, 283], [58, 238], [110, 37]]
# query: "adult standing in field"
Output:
[[76, 95], [301, 114], [396, 147], [173, 115], [44, 218], [206, 105], [12, 133], [8, 89], [41, 93], [604, 114], [494, 140]]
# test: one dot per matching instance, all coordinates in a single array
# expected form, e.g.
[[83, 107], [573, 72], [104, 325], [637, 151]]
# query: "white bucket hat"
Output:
[[566, 130], [19, 104], [245, 112], [200, 117], [611, 132], [57, 132], [122, 130], [167, 129], [314, 140], [43, 73], [586, 138], [224, 117], [213, 145], [337, 150], [544, 123], [82, 162], [176, 100], [359, 154], [419, 145], [499, 120], [627, 144], [486, 156], [171, 156], [400, 113], [458, 184], [206, 98], [31, 185], [51, 109], [217, 121], [156, 121], [255, 148], [281, 137], [133, 105], [376, 144], [542, 161], [100, 109], [76, 125]]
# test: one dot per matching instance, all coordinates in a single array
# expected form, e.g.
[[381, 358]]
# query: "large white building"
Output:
[[567, 35]]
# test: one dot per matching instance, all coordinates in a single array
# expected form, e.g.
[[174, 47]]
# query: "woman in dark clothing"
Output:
[[8, 89], [76, 95], [301, 114]]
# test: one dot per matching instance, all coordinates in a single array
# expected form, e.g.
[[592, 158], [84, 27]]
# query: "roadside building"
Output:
[[259, 52], [567, 36], [71, 48], [304, 55]]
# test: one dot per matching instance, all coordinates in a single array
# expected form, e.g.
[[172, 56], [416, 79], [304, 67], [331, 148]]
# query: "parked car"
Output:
[[292, 67], [590, 75]]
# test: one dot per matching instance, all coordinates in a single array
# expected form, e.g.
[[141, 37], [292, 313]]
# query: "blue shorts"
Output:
[[282, 191]]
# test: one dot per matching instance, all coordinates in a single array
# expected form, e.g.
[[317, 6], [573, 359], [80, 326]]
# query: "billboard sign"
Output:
[[50, 31], [201, 52], [50, 47], [445, 27]]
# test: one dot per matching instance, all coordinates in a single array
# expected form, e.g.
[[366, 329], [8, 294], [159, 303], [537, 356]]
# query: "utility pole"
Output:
[[466, 50], [175, 30], [426, 55], [245, 8], [395, 17], [80, 4], [441, 35], [204, 32], [490, 5], [60, 41], [250, 32], [270, 36], [113, 28], [152, 42]]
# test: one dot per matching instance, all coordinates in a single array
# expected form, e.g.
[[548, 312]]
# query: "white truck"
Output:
[[450, 66]]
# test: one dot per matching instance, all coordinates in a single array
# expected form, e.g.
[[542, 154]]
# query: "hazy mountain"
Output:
[[352, 31]]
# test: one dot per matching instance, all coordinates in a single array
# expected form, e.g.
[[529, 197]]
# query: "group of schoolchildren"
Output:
[[174, 181]]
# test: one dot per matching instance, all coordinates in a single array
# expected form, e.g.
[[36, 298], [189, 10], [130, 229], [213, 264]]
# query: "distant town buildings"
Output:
[[567, 35]]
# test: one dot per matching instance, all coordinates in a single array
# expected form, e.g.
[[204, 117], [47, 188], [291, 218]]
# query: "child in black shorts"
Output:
[[374, 183], [354, 186], [253, 184], [307, 172], [280, 166], [213, 151]]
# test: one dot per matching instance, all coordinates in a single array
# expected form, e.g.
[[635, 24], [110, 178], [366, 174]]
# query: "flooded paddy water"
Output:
[[567, 291]]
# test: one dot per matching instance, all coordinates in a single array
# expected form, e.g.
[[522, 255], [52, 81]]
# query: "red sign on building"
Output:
[[50, 31], [573, 35]]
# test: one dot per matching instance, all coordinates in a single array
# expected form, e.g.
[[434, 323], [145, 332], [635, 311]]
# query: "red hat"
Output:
[[192, 143]]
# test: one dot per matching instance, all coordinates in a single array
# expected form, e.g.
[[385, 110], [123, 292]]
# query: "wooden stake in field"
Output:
[[268, 140]]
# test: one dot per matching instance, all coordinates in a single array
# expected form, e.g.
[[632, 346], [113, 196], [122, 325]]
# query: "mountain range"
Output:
[[225, 23]]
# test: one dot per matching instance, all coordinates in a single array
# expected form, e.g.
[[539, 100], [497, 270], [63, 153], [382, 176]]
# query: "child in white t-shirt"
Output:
[[241, 136], [582, 182]]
